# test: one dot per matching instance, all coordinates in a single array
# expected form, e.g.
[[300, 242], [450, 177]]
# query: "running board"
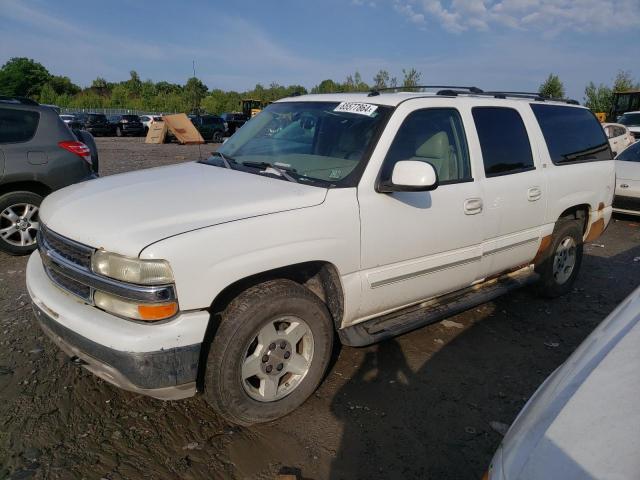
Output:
[[436, 309]]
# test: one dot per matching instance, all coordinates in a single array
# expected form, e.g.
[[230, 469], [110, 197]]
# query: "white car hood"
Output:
[[125, 213], [583, 422]]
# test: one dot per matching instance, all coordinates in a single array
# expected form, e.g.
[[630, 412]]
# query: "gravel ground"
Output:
[[424, 405]]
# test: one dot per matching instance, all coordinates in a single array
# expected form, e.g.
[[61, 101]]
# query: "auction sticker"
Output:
[[356, 107]]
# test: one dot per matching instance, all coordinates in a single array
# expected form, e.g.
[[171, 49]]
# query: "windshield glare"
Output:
[[310, 139], [630, 119]]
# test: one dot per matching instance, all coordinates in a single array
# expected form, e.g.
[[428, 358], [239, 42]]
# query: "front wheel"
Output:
[[270, 352], [559, 268], [217, 137]]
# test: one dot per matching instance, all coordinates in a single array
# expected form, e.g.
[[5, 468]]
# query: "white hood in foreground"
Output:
[[125, 213]]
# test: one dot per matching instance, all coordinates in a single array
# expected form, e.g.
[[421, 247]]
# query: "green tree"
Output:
[[624, 81], [381, 80], [63, 85], [47, 94], [598, 98], [325, 86], [411, 78], [134, 84], [194, 92], [552, 87], [23, 77]]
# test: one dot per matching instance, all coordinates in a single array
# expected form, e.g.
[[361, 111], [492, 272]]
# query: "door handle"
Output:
[[472, 206], [534, 193]]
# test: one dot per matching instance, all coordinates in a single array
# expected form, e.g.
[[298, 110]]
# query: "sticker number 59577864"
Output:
[[356, 107]]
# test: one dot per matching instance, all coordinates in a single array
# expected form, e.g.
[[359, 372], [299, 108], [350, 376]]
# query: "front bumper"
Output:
[[159, 360], [166, 375]]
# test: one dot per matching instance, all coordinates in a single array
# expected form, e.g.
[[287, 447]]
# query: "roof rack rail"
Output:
[[533, 95], [450, 88], [22, 100]]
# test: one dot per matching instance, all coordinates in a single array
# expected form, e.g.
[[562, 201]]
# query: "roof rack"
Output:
[[449, 88], [533, 95], [453, 91], [22, 100]]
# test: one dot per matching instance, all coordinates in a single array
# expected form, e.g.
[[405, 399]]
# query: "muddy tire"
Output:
[[269, 354], [559, 268], [19, 222]]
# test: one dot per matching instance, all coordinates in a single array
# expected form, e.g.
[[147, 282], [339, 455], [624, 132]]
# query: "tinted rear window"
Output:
[[131, 118], [503, 140], [17, 125], [96, 116], [572, 134]]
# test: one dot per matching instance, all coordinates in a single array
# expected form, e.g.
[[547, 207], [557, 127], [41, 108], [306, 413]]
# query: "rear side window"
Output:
[[572, 134], [17, 125], [503, 140]]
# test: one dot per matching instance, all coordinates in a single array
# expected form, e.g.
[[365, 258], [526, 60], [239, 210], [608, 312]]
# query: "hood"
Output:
[[627, 170], [125, 213], [582, 422]]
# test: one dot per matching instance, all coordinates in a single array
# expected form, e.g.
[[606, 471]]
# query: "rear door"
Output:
[[514, 189], [17, 128]]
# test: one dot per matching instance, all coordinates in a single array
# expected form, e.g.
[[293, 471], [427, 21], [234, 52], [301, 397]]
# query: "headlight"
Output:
[[137, 311], [132, 270]]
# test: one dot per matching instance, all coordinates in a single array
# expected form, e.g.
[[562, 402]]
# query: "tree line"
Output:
[[28, 78]]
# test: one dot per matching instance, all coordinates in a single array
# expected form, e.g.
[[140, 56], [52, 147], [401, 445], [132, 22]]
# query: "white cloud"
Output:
[[550, 16]]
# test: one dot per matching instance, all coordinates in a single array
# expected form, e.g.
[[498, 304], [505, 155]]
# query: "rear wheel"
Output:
[[560, 266], [217, 137], [269, 354], [19, 222]]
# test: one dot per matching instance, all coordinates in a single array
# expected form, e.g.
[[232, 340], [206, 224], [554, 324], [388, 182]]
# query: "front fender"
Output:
[[206, 261]]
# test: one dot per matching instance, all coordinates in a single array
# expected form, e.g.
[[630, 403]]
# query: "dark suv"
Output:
[[124, 125], [211, 127], [38, 154], [234, 121], [94, 123]]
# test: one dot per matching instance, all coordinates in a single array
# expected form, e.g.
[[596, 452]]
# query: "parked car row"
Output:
[[212, 127]]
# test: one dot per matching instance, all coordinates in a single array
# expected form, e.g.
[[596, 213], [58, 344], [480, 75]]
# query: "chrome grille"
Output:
[[53, 245], [70, 285], [73, 251]]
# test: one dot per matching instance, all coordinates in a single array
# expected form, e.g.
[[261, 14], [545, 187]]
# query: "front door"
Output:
[[417, 245]]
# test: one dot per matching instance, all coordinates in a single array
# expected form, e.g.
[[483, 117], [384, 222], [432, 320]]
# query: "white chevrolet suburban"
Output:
[[365, 215]]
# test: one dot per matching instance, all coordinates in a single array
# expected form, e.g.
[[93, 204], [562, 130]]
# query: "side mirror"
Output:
[[411, 176]]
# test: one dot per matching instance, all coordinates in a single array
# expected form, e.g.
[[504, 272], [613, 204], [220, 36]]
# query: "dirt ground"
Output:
[[424, 405]]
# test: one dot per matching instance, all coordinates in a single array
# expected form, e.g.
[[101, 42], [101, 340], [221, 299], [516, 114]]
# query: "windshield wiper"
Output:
[[282, 171], [226, 160]]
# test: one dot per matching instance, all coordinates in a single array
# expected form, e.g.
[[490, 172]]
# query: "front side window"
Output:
[[434, 136], [503, 140], [17, 125], [572, 134], [324, 143]]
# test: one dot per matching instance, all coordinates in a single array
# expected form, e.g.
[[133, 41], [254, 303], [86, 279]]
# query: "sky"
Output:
[[492, 44]]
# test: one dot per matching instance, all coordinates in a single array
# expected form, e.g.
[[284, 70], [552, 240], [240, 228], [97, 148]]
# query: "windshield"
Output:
[[314, 141], [630, 154], [630, 119]]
